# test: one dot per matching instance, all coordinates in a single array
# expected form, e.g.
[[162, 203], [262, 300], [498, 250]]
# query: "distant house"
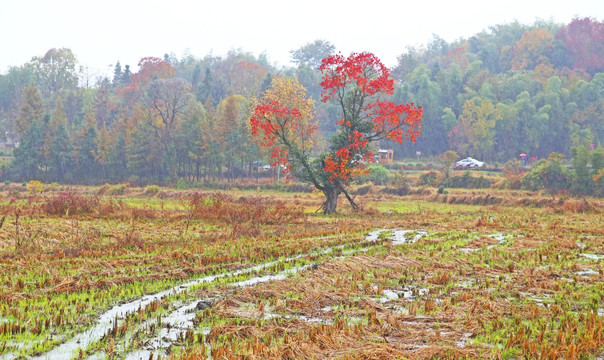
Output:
[[12, 140], [385, 156]]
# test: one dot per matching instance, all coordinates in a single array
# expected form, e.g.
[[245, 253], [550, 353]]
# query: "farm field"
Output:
[[134, 273]]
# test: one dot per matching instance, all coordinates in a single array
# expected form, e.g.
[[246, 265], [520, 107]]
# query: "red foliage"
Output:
[[271, 118], [277, 120], [342, 166], [388, 119], [362, 76], [584, 39], [356, 83], [149, 68], [364, 70]]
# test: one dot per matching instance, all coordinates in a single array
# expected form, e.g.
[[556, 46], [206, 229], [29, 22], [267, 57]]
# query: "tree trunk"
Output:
[[331, 199]]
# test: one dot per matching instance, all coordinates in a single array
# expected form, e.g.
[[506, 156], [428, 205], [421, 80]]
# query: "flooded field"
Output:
[[252, 275]]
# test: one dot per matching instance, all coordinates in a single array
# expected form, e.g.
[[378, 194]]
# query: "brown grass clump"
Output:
[[69, 203], [579, 206], [225, 208]]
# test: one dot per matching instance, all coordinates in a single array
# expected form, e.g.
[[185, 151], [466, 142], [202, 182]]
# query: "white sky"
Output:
[[104, 31]]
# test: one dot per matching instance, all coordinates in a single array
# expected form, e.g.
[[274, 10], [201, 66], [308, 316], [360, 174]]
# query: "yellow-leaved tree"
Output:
[[298, 131]]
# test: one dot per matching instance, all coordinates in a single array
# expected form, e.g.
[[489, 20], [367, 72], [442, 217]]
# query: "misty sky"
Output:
[[103, 32]]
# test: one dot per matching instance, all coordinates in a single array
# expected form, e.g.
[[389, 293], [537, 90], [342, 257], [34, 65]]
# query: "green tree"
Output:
[[84, 147], [475, 132], [54, 73], [162, 109], [118, 163], [447, 159], [29, 156], [311, 54], [235, 143], [12, 87], [57, 147], [427, 93], [126, 75], [205, 89], [118, 75], [31, 109], [188, 135]]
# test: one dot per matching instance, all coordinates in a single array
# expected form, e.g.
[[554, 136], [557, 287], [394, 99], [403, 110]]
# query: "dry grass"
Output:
[[462, 291]]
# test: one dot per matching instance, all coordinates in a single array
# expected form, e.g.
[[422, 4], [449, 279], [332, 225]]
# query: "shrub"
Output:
[[378, 174], [364, 190], [532, 181], [151, 190], [401, 183], [224, 208], [549, 174], [430, 178], [35, 186], [117, 189], [182, 184], [468, 181], [67, 203]]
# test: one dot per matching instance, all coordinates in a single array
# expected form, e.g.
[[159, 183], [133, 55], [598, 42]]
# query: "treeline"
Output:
[[159, 124], [512, 89]]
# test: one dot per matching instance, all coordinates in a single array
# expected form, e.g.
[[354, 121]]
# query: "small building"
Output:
[[385, 156]]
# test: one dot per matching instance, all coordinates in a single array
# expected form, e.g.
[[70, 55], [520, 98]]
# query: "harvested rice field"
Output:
[[90, 274]]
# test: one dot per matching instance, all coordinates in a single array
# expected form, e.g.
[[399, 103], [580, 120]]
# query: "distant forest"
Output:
[[514, 88]]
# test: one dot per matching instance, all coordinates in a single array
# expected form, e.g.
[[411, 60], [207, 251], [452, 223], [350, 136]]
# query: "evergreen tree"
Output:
[[266, 83], [118, 75], [56, 143], [31, 109], [205, 88], [29, 156], [117, 158], [126, 75], [196, 77], [87, 145]]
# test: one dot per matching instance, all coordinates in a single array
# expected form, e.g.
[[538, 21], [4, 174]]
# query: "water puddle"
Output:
[[260, 279], [310, 319], [315, 320], [467, 284], [397, 236], [68, 349], [463, 342], [182, 318], [373, 236], [587, 273], [388, 295], [400, 236], [593, 256], [500, 237], [411, 293], [401, 310]]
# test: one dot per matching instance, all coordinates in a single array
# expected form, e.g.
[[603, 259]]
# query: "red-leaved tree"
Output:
[[359, 85], [584, 39]]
